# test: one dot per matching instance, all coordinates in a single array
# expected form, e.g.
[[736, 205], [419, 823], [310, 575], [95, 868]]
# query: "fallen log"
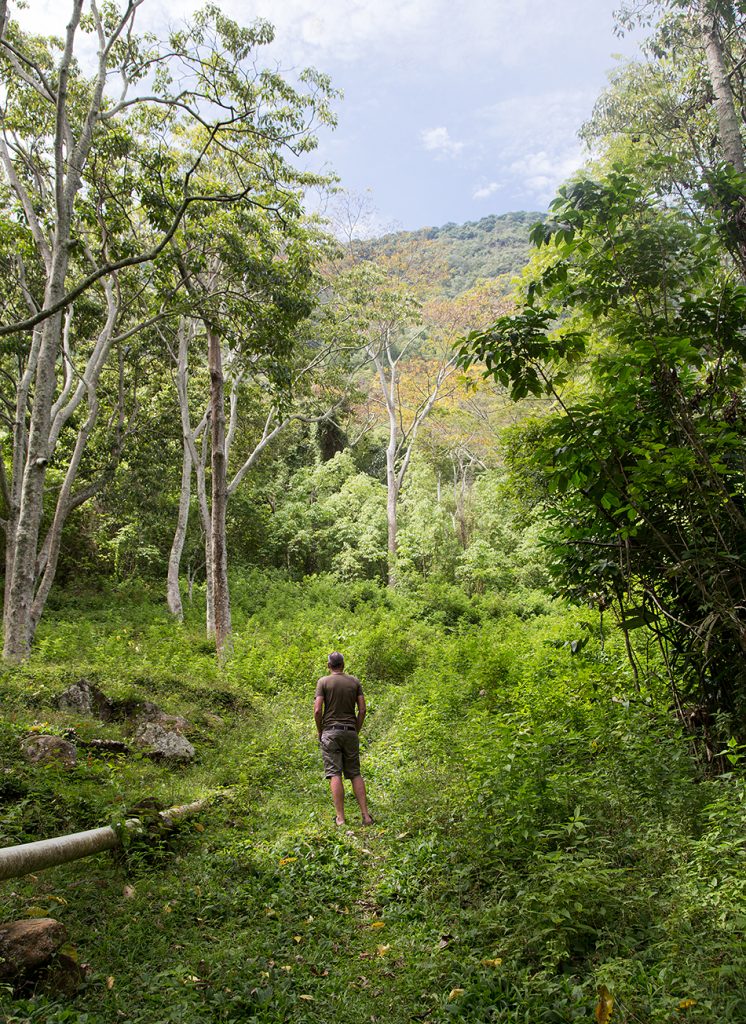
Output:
[[16, 861]]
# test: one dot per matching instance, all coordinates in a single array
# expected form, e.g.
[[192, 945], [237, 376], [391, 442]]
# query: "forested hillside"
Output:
[[500, 466], [455, 257]]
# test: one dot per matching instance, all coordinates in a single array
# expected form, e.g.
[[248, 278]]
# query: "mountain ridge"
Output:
[[460, 254]]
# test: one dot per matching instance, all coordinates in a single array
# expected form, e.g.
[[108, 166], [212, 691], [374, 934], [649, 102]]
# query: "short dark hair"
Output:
[[335, 660]]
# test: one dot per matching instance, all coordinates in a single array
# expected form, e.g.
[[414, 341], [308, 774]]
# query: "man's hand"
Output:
[[318, 714], [361, 711]]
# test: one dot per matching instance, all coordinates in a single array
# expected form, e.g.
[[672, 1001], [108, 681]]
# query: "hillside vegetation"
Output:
[[541, 829], [455, 257]]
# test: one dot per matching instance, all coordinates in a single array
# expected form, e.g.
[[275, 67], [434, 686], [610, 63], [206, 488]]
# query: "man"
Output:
[[338, 695]]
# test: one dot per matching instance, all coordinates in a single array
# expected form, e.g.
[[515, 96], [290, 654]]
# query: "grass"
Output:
[[535, 839]]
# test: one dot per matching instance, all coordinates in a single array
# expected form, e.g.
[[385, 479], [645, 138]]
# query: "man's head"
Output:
[[335, 661]]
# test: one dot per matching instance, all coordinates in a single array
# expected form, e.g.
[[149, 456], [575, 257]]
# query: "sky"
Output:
[[451, 110]]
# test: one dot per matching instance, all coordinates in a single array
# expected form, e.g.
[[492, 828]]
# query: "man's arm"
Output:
[[360, 710], [318, 713]]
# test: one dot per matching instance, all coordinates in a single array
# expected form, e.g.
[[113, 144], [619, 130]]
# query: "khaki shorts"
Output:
[[340, 749]]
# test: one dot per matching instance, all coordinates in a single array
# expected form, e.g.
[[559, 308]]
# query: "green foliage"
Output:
[[453, 258], [641, 470], [542, 830]]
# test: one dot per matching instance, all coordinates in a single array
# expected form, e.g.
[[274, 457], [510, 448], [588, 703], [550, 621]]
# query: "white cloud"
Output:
[[510, 32], [306, 30], [439, 141], [536, 138], [485, 191], [342, 29], [539, 174], [544, 119]]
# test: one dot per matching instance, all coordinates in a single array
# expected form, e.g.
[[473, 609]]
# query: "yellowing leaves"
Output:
[[495, 962], [605, 1005], [287, 860], [686, 1003], [377, 924], [455, 993], [36, 912], [383, 950], [308, 999]]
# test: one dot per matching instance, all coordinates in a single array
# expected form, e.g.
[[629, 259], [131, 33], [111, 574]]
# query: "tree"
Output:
[[99, 187], [387, 317], [642, 469], [678, 115], [250, 273]]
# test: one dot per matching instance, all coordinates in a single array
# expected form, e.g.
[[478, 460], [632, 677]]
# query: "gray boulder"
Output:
[[149, 712], [28, 944], [159, 742], [86, 699], [40, 748]]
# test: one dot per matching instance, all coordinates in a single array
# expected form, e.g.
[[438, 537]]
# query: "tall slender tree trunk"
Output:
[[21, 571], [221, 594], [199, 461], [728, 121], [19, 452], [173, 593], [392, 499]]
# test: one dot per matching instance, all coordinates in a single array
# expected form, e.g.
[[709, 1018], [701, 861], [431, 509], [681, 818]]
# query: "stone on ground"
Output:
[[160, 742], [86, 699], [25, 945], [41, 748]]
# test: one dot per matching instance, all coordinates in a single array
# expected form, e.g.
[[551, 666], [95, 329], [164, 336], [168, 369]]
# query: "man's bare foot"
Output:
[[368, 820], [339, 821]]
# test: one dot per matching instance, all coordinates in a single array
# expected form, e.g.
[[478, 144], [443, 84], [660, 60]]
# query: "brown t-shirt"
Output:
[[340, 693]]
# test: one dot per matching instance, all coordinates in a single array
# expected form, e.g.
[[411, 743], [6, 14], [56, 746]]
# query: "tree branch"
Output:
[[130, 261]]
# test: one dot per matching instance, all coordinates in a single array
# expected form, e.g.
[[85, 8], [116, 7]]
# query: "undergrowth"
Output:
[[542, 828]]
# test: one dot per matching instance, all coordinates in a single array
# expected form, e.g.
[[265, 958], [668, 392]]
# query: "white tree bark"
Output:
[[217, 443], [402, 437], [32, 455], [198, 459], [725, 108], [173, 593], [220, 590], [48, 175]]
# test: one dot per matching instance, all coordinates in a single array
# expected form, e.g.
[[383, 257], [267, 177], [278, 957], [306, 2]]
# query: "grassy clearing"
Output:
[[537, 834]]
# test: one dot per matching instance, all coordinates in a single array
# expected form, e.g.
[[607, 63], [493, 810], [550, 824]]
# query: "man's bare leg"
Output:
[[338, 796], [358, 788]]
